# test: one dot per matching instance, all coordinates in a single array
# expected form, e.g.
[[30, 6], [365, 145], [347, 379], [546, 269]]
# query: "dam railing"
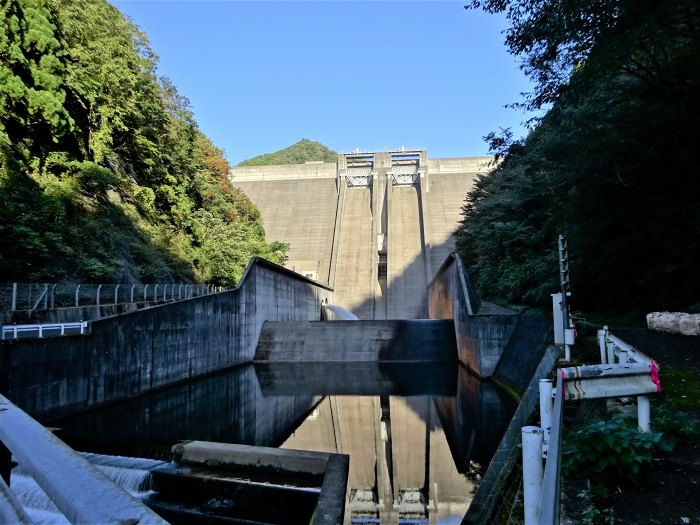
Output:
[[81, 492], [46, 296], [624, 371]]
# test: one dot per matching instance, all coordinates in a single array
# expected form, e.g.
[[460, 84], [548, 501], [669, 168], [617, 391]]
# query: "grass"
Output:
[[681, 387]]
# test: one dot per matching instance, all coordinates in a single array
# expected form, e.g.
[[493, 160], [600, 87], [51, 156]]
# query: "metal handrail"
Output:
[[634, 374], [81, 492], [31, 297], [551, 485], [15, 330]]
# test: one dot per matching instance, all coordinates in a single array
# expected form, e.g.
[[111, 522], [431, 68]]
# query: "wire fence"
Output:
[[30, 297]]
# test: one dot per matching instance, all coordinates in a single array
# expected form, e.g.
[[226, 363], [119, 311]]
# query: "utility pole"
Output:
[[565, 294]]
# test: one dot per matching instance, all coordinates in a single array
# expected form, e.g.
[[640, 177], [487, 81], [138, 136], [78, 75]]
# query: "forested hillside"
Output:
[[613, 163], [104, 175], [303, 151]]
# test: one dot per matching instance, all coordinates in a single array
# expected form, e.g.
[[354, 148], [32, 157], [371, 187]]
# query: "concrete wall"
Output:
[[481, 338], [406, 272], [322, 170], [357, 254], [460, 165], [140, 351], [301, 213], [336, 229], [370, 341]]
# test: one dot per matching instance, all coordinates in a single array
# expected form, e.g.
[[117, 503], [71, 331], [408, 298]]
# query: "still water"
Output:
[[418, 436]]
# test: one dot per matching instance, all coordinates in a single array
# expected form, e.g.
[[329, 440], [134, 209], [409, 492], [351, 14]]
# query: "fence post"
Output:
[[533, 473], [569, 340], [46, 297], [116, 295], [14, 296], [643, 414], [132, 293], [77, 296], [602, 334], [155, 293], [546, 405], [99, 287], [623, 356], [145, 297], [53, 296], [611, 352]]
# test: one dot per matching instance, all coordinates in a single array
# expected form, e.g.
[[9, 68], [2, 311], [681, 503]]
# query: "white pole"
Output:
[[611, 352], [601, 343], [546, 405], [569, 341], [533, 473], [643, 414]]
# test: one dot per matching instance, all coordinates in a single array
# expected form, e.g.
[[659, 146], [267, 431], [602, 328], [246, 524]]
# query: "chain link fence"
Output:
[[30, 297]]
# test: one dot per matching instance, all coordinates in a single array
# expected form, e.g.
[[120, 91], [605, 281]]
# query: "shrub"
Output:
[[608, 452]]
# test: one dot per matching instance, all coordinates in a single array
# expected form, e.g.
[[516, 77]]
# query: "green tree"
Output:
[[303, 151], [32, 85], [609, 163]]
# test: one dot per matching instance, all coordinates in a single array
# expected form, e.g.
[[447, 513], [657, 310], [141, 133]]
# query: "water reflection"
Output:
[[416, 435]]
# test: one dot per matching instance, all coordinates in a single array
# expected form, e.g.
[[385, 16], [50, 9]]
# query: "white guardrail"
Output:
[[624, 372], [16, 331], [81, 492]]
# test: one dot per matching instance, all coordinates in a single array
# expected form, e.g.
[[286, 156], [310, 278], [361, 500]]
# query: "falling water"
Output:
[[132, 474]]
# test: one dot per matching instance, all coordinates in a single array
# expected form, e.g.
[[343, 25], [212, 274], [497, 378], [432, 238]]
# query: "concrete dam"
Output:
[[375, 227], [399, 390]]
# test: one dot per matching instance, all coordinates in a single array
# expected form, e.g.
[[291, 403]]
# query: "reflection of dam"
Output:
[[374, 226], [408, 461], [411, 453]]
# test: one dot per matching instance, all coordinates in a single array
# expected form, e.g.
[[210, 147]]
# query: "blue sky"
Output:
[[369, 75]]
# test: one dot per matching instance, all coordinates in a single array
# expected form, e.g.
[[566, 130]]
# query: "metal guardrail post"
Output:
[[145, 296], [132, 293], [155, 294], [46, 296], [622, 356], [546, 404], [77, 296], [53, 296], [602, 334], [643, 414], [533, 473], [116, 295], [611, 352], [14, 296], [99, 287]]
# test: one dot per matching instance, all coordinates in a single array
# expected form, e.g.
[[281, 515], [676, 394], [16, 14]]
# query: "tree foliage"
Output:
[[303, 151], [612, 162], [104, 174]]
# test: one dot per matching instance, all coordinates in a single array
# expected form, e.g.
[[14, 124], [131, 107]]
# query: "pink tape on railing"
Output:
[[655, 375], [563, 384]]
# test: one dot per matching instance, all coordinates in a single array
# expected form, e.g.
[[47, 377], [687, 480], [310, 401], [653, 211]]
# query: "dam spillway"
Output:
[[373, 226]]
